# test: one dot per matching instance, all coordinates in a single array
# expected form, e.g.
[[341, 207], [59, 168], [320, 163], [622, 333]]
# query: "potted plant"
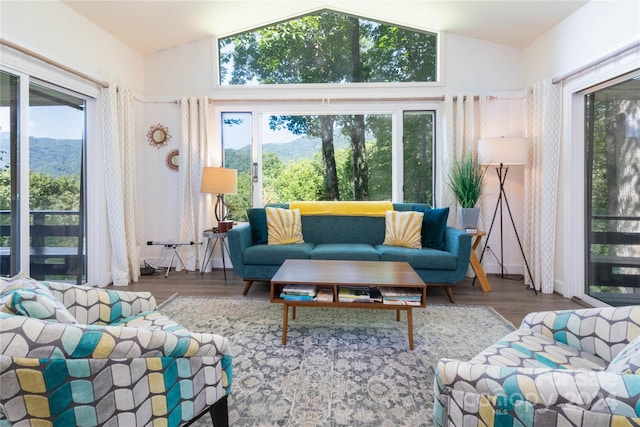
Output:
[[465, 179]]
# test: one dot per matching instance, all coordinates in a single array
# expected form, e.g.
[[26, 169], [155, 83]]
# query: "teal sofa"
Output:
[[442, 261]]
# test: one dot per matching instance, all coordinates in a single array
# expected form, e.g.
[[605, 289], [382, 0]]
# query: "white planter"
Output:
[[468, 218]]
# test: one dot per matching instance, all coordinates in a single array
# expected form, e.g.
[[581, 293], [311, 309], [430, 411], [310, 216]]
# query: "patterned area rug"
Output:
[[340, 367]]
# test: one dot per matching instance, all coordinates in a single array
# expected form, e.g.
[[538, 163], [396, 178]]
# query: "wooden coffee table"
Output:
[[339, 274]]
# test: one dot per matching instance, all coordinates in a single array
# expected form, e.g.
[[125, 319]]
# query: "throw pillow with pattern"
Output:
[[284, 226], [628, 360], [403, 229]]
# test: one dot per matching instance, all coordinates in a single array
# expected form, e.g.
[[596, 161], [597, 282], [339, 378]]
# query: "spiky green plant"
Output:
[[465, 179]]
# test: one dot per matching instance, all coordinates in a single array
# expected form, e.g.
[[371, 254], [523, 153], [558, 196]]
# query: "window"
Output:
[[329, 156], [328, 47], [612, 134], [43, 226]]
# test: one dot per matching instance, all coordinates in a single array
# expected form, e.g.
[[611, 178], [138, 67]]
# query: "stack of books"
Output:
[[401, 296], [298, 292], [354, 294], [324, 295]]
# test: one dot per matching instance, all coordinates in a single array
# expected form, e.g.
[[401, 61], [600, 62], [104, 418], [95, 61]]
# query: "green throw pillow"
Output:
[[258, 222], [434, 227]]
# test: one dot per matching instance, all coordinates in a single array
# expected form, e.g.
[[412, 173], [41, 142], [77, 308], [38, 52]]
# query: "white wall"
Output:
[[586, 35], [592, 32], [468, 66], [57, 32]]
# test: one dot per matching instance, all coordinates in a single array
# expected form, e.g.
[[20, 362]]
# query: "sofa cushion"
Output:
[[276, 254], [525, 348], [345, 251], [403, 229], [284, 226], [258, 222], [153, 320], [420, 259], [434, 227], [343, 229], [628, 360]]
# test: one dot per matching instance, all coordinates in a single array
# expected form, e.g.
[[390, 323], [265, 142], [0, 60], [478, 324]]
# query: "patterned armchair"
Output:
[[77, 355], [568, 368]]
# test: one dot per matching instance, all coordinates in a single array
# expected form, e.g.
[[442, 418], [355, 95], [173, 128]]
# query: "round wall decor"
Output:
[[173, 160], [158, 135]]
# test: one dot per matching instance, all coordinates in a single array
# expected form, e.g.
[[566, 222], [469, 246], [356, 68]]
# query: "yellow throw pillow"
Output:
[[403, 229], [284, 226]]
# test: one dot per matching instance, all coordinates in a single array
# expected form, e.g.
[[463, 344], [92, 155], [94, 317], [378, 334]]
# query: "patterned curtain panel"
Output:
[[544, 103], [461, 124], [120, 183], [196, 212]]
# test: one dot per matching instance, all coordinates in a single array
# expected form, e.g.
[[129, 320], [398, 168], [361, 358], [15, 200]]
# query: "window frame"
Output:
[[260, 111], [268, 87], [97, 232]]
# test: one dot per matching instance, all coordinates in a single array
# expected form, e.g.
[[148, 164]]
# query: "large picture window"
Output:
[[328, 47], [329, 157]]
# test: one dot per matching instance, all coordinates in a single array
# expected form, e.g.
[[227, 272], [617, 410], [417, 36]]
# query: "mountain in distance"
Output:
[[53, 157], [299, 148]]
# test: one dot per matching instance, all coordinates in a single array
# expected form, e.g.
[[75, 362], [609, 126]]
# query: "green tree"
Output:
[[330, 47]]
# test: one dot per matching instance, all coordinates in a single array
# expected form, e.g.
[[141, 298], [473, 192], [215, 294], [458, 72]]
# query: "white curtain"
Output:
[[196, 212], [120, 183], [544, 104], [462, 121]]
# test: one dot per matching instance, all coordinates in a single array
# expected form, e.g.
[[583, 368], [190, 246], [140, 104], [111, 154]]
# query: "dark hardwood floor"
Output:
[[509, 297]]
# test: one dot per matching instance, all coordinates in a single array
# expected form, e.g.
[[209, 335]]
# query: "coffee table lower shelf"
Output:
[[365, 305]]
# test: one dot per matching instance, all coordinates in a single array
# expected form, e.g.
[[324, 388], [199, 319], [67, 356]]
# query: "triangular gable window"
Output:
[[328, 47]]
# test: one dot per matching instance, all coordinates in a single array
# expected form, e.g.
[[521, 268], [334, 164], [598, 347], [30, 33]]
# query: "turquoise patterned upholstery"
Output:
[[141, 368], [570, 367]]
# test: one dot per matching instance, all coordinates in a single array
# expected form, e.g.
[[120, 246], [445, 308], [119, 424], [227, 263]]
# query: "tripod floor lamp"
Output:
[[219, 181], [503, 152]]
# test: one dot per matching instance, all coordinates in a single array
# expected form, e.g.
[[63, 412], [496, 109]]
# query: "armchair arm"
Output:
[[517, 392], [601, 331], [22, 336], [91, 305]]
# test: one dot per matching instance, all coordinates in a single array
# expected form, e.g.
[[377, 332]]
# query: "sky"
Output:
[[50, 122]]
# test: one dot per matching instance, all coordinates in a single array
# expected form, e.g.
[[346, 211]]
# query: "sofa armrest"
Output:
[[497, 388], [240, 238], [458, 242], [91, 305], [603, 331], [22, 336]]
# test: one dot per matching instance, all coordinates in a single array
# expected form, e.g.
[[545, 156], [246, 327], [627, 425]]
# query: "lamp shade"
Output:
[[219, 181], [508, 151]]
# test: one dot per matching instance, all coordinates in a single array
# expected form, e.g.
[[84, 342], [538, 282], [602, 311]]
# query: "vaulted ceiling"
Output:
[[150, 26]]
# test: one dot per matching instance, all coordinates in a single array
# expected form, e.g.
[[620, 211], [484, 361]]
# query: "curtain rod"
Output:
[[595, 62], [52, 62], [327, 101]]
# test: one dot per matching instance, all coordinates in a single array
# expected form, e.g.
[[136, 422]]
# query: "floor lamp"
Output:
[[503, 152], [219, 181]]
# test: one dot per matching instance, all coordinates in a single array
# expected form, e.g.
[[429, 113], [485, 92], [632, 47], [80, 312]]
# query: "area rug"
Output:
[[340, 367]]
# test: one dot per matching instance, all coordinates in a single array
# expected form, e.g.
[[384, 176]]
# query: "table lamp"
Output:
[[503, 152], [219, 181]]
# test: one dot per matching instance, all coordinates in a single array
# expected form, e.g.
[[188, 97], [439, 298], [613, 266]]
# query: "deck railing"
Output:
[[620, 266], [57, 247]]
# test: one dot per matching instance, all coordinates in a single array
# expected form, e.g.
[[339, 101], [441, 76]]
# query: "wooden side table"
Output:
[[475, 262]]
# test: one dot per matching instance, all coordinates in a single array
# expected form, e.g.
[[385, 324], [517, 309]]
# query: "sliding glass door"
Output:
[[613, 191], [42, 157]]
